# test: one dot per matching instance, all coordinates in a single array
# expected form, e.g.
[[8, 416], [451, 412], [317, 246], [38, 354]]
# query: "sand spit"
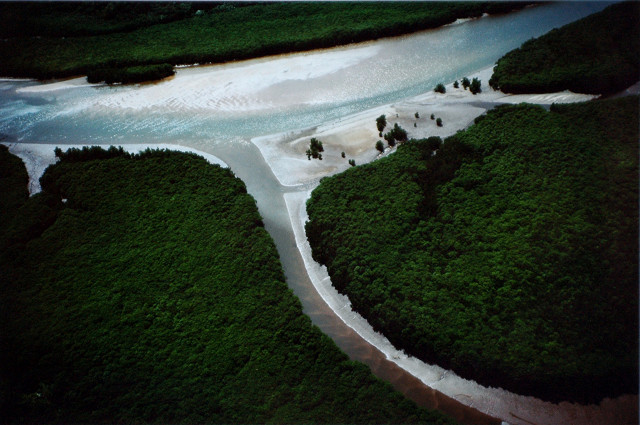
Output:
[[37, 157], [356, 135]]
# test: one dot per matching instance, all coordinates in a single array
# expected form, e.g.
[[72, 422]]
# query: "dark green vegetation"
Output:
[[315, 147], [45, 40], [154, 295], [475, 87], [381, 123], [599, 54], [134, 74], [510, 257], [440, 88], [396, 134]]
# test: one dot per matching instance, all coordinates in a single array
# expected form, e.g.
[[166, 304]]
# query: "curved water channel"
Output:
[[219, 109]]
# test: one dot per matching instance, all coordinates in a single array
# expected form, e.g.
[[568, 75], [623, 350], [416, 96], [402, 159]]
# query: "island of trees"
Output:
[[144, 289], [597, 54], [494, 256], [112, 41]]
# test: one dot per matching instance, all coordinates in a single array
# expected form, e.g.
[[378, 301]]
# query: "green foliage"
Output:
[[440, 88], [434, 142], [380, 146], [493, 256], [465, 83], [352, 162], [439, 122], [134, 74], [315, 147], [156, 296], [397, 133], [598, 54], [476, 86], [455, 84], [66, 39], [343, 155], [381, 122], [417, 115], [433, 117]]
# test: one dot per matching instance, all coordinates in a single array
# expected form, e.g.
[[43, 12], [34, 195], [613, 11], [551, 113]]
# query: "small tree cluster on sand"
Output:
[[315, 147]]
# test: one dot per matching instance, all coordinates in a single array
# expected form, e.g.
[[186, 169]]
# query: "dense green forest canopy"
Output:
[[144, 289], [511, 256], [46, 40], [599, 54]]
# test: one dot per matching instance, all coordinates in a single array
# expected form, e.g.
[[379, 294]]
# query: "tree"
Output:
[[400, 133], [315, 147], [439, 122], [417, 115], [352, 162], [440, 88], [381, 122], [316, 144], [390, 139], [433, 117], [343, 155], [465, 83], [476, 86], [455, 84], [380, 146]]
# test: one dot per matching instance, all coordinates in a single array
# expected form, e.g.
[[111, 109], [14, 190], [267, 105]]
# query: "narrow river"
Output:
[[219, 109]]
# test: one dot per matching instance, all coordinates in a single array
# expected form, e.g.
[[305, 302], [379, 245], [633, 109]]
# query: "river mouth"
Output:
[[223, 110]]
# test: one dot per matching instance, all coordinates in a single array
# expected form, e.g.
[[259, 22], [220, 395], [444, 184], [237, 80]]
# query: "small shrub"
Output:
[[466, 83], [417, 115], [352, 162], [439, 122], [440, 88], [455, 84], [433, 117], [343, 155]]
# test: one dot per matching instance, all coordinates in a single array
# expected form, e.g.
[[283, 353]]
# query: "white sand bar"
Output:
[[356, 135]]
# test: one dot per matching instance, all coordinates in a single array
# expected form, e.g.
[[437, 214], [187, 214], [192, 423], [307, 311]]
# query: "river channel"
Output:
[[218, 109]]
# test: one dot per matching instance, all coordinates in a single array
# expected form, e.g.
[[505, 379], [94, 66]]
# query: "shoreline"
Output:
[[37, 157]]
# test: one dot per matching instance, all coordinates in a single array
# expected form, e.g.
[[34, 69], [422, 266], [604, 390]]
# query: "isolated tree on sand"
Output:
[[381, 123], [315, 147], [476, 86], [380, 145]]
